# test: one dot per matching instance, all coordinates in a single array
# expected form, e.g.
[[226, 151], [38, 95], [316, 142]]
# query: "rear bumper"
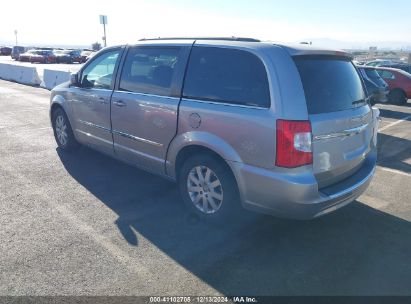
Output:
[[297, 195]]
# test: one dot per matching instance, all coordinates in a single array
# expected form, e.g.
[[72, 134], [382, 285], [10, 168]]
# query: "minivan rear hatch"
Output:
[[340, 116]]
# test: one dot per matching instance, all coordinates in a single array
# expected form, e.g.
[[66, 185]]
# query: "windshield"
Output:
[[331, 84]]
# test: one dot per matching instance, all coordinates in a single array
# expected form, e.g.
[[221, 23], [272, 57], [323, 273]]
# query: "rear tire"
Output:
[[397, 97], [63, 132], [208, 188]]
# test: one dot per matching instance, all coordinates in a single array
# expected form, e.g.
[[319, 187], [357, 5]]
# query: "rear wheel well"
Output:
[[398, 90], [189, 151], [397, 99]]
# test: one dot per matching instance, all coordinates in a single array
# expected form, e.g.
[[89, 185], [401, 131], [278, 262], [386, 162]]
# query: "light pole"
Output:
[[103, 21], [15, 34]]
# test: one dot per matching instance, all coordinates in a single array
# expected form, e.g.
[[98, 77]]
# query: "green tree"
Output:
[[96, 46]]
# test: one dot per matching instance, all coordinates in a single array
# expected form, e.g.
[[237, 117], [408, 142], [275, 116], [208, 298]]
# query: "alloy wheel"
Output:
[[205, 189], [61, 130]]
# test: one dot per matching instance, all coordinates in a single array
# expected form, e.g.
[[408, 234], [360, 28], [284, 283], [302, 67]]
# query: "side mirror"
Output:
[[74, 80]]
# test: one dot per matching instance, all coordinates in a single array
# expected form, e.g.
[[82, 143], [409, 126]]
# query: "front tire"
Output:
[[208, 188], [62, 131]]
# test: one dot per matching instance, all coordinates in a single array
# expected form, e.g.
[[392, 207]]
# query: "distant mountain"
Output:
[[338, 44]]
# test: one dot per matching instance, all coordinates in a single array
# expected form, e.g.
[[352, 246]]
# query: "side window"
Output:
[[99, 73], [387, 75], [150, 70], [227, 75]]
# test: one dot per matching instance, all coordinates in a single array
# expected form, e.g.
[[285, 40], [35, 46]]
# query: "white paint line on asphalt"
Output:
[[394, 123], [373, 201], [396, 171]]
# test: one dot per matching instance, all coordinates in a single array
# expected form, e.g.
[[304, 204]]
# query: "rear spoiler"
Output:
[[309, 50]]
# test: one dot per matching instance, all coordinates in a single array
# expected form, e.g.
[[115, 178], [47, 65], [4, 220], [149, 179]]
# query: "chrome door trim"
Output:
[[344, 133], [143, 140], [95, 137], [126, 135], [90, 124], [118, 146]]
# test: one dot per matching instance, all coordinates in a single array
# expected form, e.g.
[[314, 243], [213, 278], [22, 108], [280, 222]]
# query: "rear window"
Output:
[[330, 84], [228, 76]]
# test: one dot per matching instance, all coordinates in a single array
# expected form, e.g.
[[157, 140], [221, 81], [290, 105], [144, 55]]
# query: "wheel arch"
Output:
[[187, 151], [188, 144], [400, 90], [59, 102]]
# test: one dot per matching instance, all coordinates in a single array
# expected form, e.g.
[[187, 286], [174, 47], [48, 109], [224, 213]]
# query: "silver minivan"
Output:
[[281, 129]]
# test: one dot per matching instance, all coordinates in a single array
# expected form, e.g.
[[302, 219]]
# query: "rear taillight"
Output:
[[293, 143]]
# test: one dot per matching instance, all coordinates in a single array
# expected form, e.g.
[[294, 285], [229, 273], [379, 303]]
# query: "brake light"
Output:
[[293, 143]]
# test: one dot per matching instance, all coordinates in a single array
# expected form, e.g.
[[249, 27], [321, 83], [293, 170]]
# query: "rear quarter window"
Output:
[[228, 76], [330, 83]]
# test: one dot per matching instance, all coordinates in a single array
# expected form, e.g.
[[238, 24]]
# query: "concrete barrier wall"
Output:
[[18, 73], [52, 78]]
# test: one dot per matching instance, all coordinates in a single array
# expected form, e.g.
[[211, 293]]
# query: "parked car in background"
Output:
[[16, 51], [26, 55], [85, 55], [359, 62], [5, 51], [43, 56], [91, 55], [402, 66], [399, 83], [380, 62], [68, 56], [377, 88], [228, 137]]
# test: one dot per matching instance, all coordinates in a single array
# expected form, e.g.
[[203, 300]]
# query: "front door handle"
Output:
[[119, 103]]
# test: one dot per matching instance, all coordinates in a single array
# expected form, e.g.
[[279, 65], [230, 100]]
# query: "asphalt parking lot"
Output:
[[84, 224]]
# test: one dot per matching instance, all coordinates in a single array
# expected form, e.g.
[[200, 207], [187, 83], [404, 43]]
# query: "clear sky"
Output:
[[77, 22]]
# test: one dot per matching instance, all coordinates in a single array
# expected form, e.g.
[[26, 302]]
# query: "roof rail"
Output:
[[244, 39]]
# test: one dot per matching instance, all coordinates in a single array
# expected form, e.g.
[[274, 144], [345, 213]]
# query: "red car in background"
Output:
[[43, 56], [399, 84], [26, 56]]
